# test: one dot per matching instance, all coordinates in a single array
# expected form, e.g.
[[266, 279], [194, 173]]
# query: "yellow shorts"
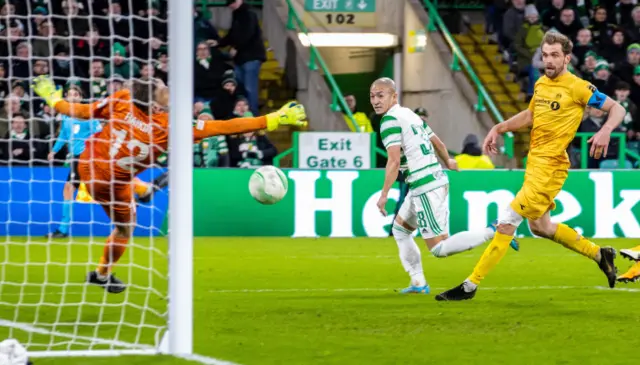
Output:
[[541, 185]]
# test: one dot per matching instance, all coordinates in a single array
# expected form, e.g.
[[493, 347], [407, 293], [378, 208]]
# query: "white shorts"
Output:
[[429, 211]]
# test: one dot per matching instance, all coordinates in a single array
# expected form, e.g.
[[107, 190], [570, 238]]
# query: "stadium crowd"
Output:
[[97, 46], [606, 52]]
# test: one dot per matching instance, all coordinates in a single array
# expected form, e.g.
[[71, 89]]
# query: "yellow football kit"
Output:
[[557, 106]]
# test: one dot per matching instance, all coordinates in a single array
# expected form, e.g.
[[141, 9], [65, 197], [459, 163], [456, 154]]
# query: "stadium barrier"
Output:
[[334, 203]]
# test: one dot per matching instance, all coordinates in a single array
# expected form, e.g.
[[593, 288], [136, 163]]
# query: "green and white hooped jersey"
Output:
[[402, 127]]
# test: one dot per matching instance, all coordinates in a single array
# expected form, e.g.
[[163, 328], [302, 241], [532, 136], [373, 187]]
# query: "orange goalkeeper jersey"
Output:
[[131, 140]]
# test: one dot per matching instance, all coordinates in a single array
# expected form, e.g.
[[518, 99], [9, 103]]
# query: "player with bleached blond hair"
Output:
[[413, 148]]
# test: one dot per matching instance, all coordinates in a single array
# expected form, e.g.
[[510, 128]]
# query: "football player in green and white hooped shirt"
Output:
[[413, 148]]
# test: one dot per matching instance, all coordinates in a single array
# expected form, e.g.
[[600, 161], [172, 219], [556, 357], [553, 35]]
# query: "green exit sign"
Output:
[[340, 6]]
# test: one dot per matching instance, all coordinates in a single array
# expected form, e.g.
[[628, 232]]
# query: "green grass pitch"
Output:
[[330, 301]]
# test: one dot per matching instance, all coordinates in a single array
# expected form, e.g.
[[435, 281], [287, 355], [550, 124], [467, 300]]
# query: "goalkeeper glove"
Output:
[[46, 89], [290, 114]]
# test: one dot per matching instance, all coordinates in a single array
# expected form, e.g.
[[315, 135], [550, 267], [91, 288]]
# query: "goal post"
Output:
[[181, 54], [45, 302]]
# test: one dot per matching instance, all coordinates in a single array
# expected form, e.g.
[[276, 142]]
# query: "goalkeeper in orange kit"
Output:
[[137, 132]]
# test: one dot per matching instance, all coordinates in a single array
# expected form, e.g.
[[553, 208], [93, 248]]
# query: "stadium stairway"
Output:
[[499, 81]]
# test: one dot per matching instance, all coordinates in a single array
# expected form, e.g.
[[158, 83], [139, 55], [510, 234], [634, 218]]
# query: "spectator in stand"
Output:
[[363, 124], [12, 34], [4, 85], [601, 29], [162, 64], [90, 48], [631, 122], [632, 28], [623, 11], [602, 78], [224, 102], [45, 41], [214, 150], [11, 107], [147, 71], [209, 72], [121, 64], [96, 87], [247, 49], [551, 15], [526, 42], [251, 150], [20, 62], [582, 46], [18, 148], [39, 15], [471, 156], [512, 22], [589, 65], [116, 24], [616, 49], [150, 31], [635, 86], [203, 30], [624, 70], [74, 23], [115, 83], [568, 24], [61, 64]]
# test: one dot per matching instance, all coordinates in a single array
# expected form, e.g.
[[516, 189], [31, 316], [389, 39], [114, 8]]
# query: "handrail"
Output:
[[623, 152], [337, 101], [459, 58]]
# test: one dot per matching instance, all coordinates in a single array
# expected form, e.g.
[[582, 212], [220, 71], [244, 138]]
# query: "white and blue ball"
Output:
[[268, 185]]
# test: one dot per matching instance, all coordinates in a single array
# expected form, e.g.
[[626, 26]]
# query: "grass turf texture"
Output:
[[331, 301]]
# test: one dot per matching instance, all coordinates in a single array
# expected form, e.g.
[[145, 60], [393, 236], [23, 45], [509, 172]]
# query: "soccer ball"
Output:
[[12, 353], [268, 185]]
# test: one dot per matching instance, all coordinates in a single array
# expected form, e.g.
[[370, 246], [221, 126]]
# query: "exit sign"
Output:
[[340, 13], [341, 6]]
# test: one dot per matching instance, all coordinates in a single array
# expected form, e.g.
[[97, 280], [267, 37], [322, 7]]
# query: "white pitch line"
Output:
[[330, 290], [43, 331], [337, 290]]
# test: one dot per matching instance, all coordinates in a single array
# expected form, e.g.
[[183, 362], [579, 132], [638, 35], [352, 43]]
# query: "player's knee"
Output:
[[507, 229], [542, 229], [399, 232]]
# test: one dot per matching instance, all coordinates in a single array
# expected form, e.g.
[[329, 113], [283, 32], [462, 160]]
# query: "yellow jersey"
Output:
[[558, 107]]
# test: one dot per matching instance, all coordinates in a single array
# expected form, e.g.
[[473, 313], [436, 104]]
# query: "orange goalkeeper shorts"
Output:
[[115, 197]]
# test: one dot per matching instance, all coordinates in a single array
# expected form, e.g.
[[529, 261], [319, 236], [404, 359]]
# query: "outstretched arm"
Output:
[[210, 128], [77, 110]]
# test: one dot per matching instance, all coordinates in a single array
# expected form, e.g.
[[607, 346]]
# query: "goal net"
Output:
[[94, 48]]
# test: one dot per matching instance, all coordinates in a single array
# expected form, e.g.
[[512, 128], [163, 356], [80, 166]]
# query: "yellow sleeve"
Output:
[[531, 102], [583, 92], [348, 121]]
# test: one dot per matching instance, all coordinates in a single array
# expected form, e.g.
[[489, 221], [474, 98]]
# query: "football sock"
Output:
[[66, 217], [491, 256], [574, 241], [461, 241], [409, 254], [113, 249]]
